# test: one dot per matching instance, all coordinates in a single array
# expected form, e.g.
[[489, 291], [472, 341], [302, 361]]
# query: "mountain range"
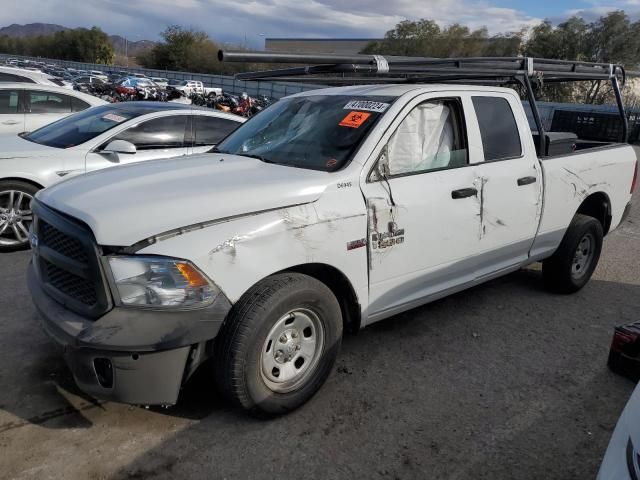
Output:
[[120, 44]]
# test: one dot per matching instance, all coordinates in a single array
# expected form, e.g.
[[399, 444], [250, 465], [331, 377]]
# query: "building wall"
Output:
[[345, 46]]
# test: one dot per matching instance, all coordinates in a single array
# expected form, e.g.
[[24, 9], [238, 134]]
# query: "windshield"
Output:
[[81, 127], [318, 132]]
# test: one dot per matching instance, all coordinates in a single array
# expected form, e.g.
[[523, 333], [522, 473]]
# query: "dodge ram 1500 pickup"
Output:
[[330, 210]]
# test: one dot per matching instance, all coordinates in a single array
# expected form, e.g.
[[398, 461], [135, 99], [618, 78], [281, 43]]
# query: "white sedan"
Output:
[[99, 137], [622, 460], [28, 106]]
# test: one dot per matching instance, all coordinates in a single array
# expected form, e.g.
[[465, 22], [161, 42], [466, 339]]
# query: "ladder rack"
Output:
[[358, 69]]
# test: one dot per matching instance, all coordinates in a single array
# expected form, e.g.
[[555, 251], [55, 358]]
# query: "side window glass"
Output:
[[9, 101], [163, 132], [47, 102], [431, 137], [211, 130], [78, 105], [498, 128]]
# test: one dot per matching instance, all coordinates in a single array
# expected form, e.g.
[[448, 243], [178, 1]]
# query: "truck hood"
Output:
[[126, 204]]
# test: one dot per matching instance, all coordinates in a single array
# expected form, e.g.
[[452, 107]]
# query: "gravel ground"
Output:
[[502, 381]]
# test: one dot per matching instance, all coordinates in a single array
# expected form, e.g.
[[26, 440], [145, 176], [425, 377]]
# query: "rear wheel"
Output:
[[15, 214], [279, 344], [571, 266]]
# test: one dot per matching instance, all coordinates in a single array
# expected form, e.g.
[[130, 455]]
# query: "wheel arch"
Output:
[[341, 287], [598, 206], [22, 179]]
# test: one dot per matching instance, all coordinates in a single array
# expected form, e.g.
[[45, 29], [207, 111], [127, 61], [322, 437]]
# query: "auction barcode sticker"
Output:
[[367, 105], [114, 118]]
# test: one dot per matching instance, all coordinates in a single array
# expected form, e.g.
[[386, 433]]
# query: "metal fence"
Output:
[[228, 84]]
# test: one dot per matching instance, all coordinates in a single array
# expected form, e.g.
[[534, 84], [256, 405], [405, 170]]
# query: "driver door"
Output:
[[160, 137], [423, 216]]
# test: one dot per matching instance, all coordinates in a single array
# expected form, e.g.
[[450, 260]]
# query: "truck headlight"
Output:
[[160, 282]]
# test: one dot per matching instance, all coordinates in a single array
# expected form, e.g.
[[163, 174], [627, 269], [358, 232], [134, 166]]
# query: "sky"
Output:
[[249, 22]]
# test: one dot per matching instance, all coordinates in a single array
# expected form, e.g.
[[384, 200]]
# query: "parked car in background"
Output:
[[97, 73], [622, 458], [138, 75], [10, 74], [88, 80], [100, 137], [28, 106], [160, 81], [128, 85]]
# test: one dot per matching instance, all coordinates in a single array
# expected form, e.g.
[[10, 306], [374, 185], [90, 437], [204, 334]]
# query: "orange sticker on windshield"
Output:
[[354, 119]]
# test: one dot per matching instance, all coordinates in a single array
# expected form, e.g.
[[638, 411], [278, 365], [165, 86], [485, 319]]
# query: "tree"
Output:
[[80, 45], [425, 38]]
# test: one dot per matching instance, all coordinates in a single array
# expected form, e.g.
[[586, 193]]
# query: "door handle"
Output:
[[10, 122], [526, 181], [464, 193]]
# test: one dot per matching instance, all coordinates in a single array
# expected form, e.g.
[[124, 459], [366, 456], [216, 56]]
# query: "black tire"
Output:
[[8, 237], [561, 272], [239, 346]]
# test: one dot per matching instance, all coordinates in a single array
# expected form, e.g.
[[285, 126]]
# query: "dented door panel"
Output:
[[419, 245]]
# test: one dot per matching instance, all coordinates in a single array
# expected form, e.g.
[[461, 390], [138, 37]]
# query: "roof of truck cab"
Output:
[[396, 90]]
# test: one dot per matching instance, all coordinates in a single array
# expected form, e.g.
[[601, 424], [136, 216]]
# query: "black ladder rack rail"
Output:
[[371, 69]]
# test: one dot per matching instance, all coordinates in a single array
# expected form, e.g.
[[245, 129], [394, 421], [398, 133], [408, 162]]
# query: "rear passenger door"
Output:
[[11, 111], [206, 132], [44, 107], [508, 180]]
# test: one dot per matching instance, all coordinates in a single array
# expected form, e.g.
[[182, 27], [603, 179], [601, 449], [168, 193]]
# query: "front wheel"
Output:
[[279, 344], [15, 214], [571, 266]]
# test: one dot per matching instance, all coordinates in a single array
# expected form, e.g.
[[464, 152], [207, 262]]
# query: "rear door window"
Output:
[[78, 105], [211, 130], [498, 128], [47, 102], [9, 101]]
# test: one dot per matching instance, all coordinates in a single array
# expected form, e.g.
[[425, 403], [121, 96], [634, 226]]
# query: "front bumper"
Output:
[[129, 355]]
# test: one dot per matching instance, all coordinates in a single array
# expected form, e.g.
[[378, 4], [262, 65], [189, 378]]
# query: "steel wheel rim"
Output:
[[583, 256], [292, 350], [15, 217]]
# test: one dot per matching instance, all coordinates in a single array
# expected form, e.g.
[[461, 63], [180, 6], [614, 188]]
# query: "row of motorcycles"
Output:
[[243, 105]]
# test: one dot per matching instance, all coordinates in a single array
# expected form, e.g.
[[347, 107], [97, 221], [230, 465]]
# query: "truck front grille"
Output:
[[62, 243], [70, 284], [69, 262]]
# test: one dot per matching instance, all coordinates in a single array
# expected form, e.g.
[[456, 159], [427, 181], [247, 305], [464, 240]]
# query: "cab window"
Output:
[[498, 128], [431, 137]]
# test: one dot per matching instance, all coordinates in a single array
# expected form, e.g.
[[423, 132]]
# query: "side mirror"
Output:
[[120, 146]]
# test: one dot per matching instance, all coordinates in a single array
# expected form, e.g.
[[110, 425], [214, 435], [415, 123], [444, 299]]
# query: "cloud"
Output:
[[599, 9], [233, 20]]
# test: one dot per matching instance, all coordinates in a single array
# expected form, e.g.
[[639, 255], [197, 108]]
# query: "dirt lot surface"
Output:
[[501, 381]]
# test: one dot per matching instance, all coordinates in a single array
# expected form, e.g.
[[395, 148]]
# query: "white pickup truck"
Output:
[[329, 211], [188, 87]]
